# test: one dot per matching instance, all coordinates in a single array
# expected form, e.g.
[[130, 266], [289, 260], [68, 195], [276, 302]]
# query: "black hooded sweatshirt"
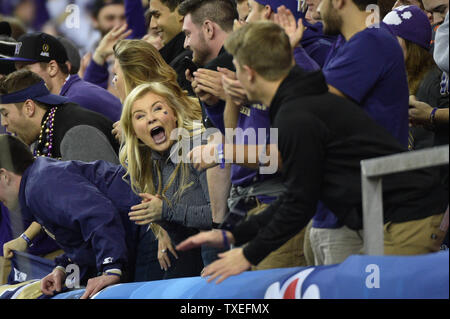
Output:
[[322, 139]]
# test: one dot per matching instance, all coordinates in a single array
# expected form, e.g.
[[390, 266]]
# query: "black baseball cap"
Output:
[[7, 48], [73, 54], [38, 47], [5, 28]]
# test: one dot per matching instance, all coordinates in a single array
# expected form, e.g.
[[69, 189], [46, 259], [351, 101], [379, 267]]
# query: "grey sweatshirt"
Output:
[[192, 209]]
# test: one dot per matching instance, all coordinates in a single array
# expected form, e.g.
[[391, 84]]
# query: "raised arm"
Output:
[[134, 13]]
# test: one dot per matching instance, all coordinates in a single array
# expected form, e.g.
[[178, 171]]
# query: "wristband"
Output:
[[225, 240], [28, 240], [62, 269], [113, 272], [221, 155], [433, 116]]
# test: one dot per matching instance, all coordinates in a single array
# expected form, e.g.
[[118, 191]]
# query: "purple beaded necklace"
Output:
[[45, 141]]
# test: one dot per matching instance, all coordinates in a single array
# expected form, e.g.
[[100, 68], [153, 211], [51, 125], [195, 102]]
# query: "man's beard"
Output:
[[200, 56], [26, 133], [332, 22]]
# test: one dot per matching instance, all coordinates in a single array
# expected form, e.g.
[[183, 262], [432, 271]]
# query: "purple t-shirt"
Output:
[[370, 70], [252, 119]]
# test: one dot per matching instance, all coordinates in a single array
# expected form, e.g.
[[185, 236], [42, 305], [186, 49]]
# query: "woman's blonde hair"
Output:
[[137, 157], [141, 63]]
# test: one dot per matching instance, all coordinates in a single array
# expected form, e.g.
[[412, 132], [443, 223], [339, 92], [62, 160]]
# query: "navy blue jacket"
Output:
[[84, 207]]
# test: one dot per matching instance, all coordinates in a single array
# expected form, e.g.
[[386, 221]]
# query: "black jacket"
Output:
[[173, 53], [223, 60], [322, 139], [71, 115]]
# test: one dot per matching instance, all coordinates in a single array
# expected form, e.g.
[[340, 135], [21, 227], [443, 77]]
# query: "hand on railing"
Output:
[[18, 244]]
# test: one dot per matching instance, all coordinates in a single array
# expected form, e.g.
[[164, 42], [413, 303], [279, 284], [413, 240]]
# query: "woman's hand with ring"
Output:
[[164, 244]]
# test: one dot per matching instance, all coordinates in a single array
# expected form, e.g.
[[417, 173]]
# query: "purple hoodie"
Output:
[[92, 97], [315, 43]]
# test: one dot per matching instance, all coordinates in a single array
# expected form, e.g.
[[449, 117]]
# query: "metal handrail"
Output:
[[372, 172]]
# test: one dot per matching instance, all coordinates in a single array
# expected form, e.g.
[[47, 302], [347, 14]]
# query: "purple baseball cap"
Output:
[[293, 5], [410, 23]]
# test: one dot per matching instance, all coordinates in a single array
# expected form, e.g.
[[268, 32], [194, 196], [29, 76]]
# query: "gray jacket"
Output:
[[191, 209]]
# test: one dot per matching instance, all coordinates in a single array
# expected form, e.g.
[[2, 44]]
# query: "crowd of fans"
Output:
[[276, 103]]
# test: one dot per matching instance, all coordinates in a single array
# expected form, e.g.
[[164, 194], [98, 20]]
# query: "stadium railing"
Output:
[[372, 172]]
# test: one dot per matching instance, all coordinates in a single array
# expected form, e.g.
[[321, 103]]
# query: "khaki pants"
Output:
[[415, 237], [333, 246], [5, 269], [288, 255], [5, 265], [307, 249]]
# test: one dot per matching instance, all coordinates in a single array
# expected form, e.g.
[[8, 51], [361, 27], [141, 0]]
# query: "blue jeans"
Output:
[[147, 264], [209, 254], [188, 264]]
